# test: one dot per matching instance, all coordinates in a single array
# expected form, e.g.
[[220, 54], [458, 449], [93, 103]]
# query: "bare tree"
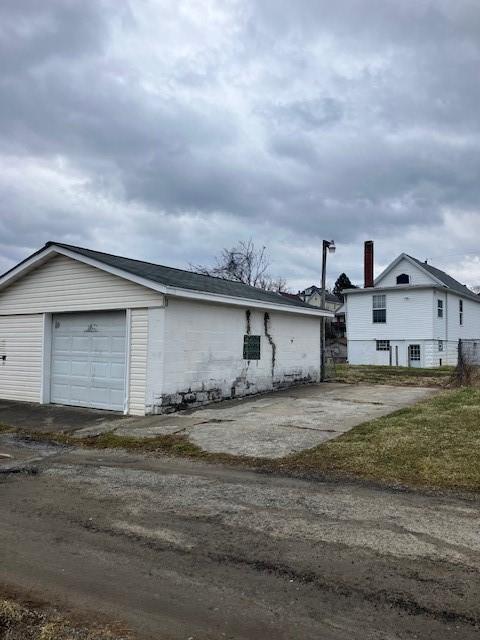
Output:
[[245, 263], [476, 290]]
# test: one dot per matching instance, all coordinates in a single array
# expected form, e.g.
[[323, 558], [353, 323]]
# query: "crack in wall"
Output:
[[266, 325]]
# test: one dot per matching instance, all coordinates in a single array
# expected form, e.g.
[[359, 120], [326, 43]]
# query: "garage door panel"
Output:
[[88, 360], [64, 344], [80, 344], [81, 369], [118, 345], [117, 371]]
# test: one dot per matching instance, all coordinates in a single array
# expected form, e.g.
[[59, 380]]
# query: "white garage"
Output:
[[84, 328]]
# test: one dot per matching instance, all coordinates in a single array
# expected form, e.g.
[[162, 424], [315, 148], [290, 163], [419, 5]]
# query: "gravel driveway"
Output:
[[178, 549]]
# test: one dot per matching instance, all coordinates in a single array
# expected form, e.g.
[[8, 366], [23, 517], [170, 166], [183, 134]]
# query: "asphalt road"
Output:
[[180, 550]]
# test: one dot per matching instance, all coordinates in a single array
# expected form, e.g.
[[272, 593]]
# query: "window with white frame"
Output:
[[379, 308], [383, 345], [439, 308], [460, 311], [440, 345], [414, 352]]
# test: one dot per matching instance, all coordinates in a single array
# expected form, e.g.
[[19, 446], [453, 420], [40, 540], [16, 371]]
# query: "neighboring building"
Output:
[[85, 328], [313, 296], [335, 325], [413, 314]]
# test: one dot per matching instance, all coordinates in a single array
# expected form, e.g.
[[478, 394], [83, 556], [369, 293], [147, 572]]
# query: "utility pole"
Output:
[[327, 245]]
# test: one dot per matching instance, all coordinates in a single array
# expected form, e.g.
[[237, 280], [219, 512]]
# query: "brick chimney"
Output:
[[368, 263]]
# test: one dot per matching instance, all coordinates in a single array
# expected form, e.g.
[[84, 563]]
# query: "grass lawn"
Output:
[[435, 444], [405, 376]]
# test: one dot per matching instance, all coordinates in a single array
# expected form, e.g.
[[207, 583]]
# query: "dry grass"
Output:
[[433, 444], [403, 376], [38, 621]]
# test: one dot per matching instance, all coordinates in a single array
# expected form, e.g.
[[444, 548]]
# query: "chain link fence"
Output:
[[468, 367]]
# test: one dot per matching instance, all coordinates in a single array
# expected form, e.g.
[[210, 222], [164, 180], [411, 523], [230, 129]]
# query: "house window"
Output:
[[379, 308], [440, 345], [439, 308], [403, 278], [251, 347], [414, 352], [460, 311], [383, 345]]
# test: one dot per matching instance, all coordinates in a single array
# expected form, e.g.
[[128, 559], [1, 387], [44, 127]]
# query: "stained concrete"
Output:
[[276, 424], [279, 424], [52, 417], [269, 426]]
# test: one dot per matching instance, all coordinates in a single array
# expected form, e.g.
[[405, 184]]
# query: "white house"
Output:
[[85, 328], [413, 314], [313, 296]]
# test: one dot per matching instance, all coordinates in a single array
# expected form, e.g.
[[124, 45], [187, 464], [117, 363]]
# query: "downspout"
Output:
[[446, 324]]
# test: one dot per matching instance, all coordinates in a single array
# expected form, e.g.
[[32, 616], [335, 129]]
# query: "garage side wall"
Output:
[[21, 357], [203, 353]]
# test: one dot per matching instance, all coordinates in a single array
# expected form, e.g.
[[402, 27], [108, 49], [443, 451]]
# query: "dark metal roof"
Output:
[[182, 279], [447, 280]]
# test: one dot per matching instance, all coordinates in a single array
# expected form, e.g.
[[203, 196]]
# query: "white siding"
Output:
[[470, 329], [138, 360], [203, 352], [440, 331], [63, 284], [409, 316], [417, 276], [21, 341]]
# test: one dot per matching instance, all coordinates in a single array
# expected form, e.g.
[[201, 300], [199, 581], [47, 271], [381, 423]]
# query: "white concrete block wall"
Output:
[[448, 356], [156, 358], [365, 352], [203, 352]]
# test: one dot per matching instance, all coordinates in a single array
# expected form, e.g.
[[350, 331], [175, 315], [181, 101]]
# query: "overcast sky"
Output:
[[168, 129]]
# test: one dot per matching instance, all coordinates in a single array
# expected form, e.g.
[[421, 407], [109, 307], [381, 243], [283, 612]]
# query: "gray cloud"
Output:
[[169, 131]]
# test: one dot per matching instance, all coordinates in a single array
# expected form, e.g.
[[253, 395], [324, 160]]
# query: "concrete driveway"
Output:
[[269, 426], [278, 424]]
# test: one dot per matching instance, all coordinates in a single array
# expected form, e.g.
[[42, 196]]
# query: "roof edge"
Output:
[[50, 248]]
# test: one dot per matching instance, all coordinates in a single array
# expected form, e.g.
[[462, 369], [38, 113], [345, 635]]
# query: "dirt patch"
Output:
[[28, 619]]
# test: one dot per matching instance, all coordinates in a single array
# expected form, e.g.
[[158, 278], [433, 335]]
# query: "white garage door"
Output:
[[88, 359]]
